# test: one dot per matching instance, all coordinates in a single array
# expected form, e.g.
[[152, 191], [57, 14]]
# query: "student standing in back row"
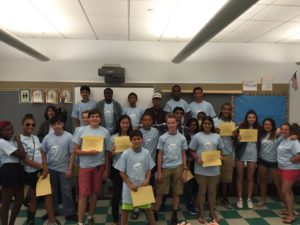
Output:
[[133, 111], [85, 104]]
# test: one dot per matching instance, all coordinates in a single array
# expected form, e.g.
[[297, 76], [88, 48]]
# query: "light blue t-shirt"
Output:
[[135, 115], [285, 151], [228, 146], [171, 104], [172, 146], [150, 140], [109, 116], [206, 142], [135, 165], [268, 149], [116, 156], [250, 153], [6, 150], [91, 161], [32, 147], [58, 149], [203, 106], [79, 107]]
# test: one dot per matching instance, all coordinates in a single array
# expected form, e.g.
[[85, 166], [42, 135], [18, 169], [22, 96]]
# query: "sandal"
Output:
[[282, 212], [289, 220], [134, 215], [201, 220], [214, 217]]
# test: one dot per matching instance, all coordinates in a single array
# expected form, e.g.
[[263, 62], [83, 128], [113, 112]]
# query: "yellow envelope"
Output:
[[226, 128], [189, 176], [92, 143], [211, 158], [122, 143], [143, 196], [248, 135], [43, 186]]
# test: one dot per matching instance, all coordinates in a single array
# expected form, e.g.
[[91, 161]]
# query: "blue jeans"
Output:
[[62, 186]]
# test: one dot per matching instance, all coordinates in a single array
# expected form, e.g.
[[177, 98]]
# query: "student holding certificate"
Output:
[[90, 144], [207, 140], [124, 128], [225, 127], [246, 154], [135, 166]]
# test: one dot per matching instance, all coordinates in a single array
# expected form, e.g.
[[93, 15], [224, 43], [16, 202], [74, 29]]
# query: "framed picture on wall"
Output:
[[67, 94], [37, 96], [52, 96], [24, 96]]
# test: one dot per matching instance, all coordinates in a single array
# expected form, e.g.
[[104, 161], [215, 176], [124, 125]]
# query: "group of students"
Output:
[[166, 144]]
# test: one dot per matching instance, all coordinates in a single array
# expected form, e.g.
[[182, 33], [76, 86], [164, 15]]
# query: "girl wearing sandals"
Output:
[[35, 165], [288, 156], [267, 160], [206, 177], [246, 154], [11, 173], [124, 128]]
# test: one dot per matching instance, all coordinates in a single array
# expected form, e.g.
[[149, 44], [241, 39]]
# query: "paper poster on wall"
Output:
[[67, 94], [37, 96], [24, 96], [52, 96], [250, 85]]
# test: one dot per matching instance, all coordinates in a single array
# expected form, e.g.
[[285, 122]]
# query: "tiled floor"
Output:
[[258, 216]]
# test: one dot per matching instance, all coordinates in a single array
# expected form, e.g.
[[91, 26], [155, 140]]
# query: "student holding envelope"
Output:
[[90, 144], [206, 141], [135, 166], [124, 128], [247, 144], [35, 166], [225, 127]]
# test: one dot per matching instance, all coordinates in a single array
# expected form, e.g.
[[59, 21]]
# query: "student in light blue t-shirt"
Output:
[[135, 167], [133, 111], [85, 104], [206, 177], [176, 100], [288, 157], [227, 162], [124, 128], [171, 165], [58, 149], [200, 105], [93, 165], [267, 160]]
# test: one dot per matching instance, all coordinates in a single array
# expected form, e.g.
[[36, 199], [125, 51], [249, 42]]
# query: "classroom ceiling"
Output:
[[268, 21]]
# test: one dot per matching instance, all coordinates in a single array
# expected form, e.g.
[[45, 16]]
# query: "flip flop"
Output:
[[214, 217], [282, 212], [289, 220], [201, 220]]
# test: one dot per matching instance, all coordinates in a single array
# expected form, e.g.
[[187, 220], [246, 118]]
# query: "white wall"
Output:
[[149, 62]]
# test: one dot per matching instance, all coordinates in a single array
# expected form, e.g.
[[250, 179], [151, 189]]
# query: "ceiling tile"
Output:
[[146, 29], [152, 9], [252, 12], [279, 33], [287, 2], [250, 30], [227, 30], [105, 7], [278, 13], [265, 2], [114, 28]]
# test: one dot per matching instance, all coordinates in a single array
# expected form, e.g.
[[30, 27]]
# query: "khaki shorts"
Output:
[[171, 177], [227, 169]]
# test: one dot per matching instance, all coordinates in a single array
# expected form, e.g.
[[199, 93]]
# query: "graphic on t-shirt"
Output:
[[208, 146], [54, 151], [147, 141], [171, 151], [138, 171]]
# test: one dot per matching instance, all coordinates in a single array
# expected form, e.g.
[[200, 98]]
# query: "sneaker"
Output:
[[90, 221], [226, 204], [191, 209], [162, 208], [249, 203], [72, 217], [174, 220], [240, 203]]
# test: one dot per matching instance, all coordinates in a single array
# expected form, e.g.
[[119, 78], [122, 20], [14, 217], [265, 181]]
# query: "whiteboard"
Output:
[[121, 95]]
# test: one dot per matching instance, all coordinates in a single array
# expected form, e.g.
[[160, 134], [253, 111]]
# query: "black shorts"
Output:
[[31, 179], [12, 175], [269, 165]]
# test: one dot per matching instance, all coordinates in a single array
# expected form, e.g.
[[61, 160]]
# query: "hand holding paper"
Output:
[[43, 186], [226, 128], [211, 158], [90, 143], [143, 196], [248, 135], [122, 143]]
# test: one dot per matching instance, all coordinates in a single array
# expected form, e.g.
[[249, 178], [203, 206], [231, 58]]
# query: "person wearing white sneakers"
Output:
[[246, 154]]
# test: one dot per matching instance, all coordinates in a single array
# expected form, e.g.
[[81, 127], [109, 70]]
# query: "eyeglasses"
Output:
[[30, 124]]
